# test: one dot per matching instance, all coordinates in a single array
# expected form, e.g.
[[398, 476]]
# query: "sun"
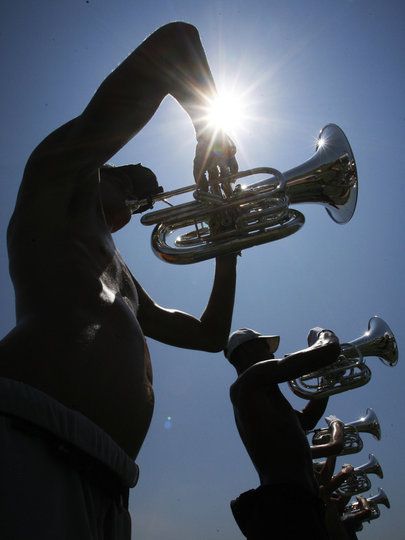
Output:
[[226, 112]]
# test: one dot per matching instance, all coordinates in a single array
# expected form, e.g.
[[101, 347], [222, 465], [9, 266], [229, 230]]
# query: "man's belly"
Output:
[[98, 366]]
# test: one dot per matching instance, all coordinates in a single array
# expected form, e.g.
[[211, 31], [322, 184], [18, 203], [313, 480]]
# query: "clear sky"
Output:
[[300, 65]]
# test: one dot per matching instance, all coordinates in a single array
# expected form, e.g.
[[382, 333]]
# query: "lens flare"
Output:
[[321, 143]]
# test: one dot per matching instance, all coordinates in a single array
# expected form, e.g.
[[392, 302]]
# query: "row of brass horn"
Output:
[[352, 442], [350, 371], [358, 481], [259, 212]]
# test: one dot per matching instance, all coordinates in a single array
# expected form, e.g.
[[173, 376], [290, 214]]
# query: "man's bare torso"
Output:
[[77, 336], [267, 423]]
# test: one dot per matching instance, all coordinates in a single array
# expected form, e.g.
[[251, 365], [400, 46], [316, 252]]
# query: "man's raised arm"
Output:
[[170, 61]]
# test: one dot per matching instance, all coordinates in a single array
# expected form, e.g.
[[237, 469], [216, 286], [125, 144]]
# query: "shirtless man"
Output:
[[81, 315], [286, 504]]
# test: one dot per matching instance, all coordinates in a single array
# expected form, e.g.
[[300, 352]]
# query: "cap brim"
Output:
[[273, 341]]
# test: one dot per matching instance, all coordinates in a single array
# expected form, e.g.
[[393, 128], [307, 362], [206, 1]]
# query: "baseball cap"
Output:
[[247, 334]]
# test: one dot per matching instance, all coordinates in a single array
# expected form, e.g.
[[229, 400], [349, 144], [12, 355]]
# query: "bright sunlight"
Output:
[[226, 112]]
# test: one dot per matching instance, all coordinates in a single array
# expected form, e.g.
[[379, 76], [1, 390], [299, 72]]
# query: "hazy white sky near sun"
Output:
[[299, 66]]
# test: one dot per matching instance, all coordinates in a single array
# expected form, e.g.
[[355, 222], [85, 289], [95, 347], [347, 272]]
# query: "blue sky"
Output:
[[301, 65]]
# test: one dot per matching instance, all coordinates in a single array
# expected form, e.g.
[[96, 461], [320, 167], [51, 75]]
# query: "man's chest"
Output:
[[116, 280]]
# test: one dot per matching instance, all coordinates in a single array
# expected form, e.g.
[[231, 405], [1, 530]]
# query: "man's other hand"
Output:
[[214, 159]]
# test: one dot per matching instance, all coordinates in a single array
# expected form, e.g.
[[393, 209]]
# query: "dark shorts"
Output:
[[61, 476], [280, 512]]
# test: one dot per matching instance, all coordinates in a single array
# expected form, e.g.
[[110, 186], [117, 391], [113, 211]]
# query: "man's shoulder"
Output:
[[242, 390], [39, 183], [43, 203]]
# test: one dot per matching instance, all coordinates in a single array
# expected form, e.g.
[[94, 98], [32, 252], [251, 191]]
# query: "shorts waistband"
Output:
[[26, 403]]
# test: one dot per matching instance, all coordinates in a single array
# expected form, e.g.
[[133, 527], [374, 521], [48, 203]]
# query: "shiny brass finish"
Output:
[[373, 501], [350, 371], [377, 341], [352, 442], [359, 482], [240, 217]]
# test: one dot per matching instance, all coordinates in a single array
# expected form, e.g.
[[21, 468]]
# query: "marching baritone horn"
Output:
[[231, 219], [350, 370], [373, 501], [352, 442], [358, 481]]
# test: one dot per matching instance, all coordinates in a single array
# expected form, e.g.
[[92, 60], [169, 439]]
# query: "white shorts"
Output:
[[61, 476]]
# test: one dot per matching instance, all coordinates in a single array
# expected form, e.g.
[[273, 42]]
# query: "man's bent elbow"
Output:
[[215, 345], [177, 31], [211, 338]]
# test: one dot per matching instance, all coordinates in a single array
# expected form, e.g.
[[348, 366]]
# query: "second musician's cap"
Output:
[[247, 334]]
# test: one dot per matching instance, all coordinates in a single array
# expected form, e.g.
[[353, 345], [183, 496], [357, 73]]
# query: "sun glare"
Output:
[[321, 143], [226, 112]]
